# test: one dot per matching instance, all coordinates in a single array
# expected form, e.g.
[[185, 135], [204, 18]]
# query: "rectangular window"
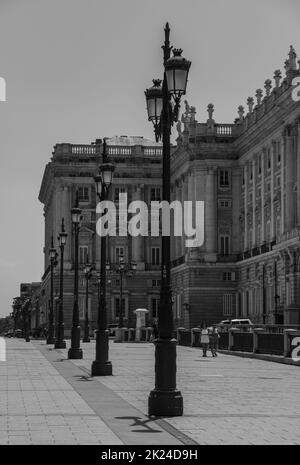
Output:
[[224, 203], [83, 194], [154, 307], [227, 304], [224, 178], [155, 282], [224, 245], [83, 254], [228, 276], [155, 193], [259, 166], [155, 255]]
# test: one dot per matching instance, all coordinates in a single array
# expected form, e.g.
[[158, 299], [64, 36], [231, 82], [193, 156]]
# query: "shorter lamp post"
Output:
[[75, 351], [101, 366], [88, 271], [60, 343], [26, 311], [56, 300], [53, 263], [123, 269]]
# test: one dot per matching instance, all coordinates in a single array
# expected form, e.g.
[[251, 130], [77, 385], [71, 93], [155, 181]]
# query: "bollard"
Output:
[[256, 331], [195, 332], [178, 334], [231, 332], [286, 333]]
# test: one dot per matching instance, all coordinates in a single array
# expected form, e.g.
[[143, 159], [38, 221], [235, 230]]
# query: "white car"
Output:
[[241, 321]]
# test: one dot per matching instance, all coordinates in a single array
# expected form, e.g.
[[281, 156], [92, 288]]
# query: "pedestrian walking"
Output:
[[204, 340], [214, 341]]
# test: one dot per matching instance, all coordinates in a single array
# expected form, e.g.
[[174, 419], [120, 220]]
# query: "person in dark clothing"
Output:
[[214, 341]]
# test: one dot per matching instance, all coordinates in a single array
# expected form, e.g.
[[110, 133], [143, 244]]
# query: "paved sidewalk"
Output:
[[47, 399]]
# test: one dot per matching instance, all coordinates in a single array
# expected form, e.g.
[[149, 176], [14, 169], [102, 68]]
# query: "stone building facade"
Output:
[[248, 174], [138, 170]]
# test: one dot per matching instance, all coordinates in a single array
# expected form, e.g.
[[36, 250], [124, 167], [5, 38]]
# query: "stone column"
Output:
[[183, 199], [253, 203], [290, 180], [263, 155], [66, 214], [298, 173], [273, 220], [210, 214], [178, 239], [236, 194], [173, 239], [138, 241], [282, 187], [246, 207]]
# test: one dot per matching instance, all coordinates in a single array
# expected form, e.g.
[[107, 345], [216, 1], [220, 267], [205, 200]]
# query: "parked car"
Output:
[[18, 333], [9, 334], [241, 321], [112, 329]]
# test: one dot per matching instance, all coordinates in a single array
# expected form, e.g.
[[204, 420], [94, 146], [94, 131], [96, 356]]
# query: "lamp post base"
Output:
[[165, 403], [101, 366], [50, 338], [101, 369], [60, 344], [165, 399], [86, 337], [75, 352]]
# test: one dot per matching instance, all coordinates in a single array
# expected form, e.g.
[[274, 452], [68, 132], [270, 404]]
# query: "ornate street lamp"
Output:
[[101, 366], [75, 352], [60, 343], [88, 271], [53, 263], [165, 399], [123, 269]]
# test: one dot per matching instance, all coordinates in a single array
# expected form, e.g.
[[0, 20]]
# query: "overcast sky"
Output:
[[76, 70]]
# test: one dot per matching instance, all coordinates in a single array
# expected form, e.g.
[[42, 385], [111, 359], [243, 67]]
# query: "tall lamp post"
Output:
[[60, 343], [165, 399], [53, 263], [101, 366], [88, 271], [122, 269], [75, 351]]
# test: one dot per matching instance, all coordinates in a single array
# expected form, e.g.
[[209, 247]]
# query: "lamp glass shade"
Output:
[[52, 253], [98, 182], [177, 70], [107, 170], [76, 215], [107, 266], [154, 101], [133, 266], [62, 238]]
